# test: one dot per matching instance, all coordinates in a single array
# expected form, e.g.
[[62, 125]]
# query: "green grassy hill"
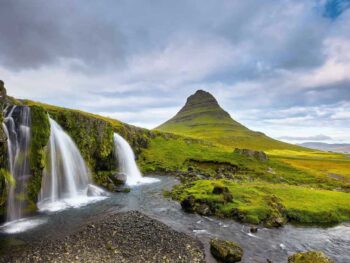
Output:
[[202, 117]]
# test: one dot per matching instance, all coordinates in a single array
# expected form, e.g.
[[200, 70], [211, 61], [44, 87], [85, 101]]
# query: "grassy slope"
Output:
[[280, 176], [291, 174], [252, 200]]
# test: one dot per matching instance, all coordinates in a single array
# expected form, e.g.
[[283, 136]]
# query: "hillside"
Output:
[[202, 117]]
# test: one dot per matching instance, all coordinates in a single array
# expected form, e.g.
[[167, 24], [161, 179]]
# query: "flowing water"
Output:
[[66, 185], [17, 129], [66, 180], [127, 164], [273, 244]]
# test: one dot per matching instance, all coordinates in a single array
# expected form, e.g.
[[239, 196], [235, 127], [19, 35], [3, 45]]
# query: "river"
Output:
[[272, 244]]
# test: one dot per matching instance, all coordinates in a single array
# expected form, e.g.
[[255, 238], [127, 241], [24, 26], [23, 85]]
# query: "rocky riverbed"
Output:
[[122, 237]]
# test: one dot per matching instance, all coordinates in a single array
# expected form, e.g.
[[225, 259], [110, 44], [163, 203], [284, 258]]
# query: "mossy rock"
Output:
[[40, 138], [276, 216], [226, 251], [219, 189], [310, 257], [188, 204]]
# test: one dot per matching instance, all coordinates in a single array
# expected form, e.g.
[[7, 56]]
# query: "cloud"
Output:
[[38, 33], [275, 66]]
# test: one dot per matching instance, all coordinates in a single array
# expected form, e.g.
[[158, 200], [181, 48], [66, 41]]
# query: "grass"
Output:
[[171, 154], [252, 200], [301, 185], [203, 118]]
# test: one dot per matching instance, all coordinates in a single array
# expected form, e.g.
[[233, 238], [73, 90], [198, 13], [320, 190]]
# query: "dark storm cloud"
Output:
[[268, 62], [37, 33]]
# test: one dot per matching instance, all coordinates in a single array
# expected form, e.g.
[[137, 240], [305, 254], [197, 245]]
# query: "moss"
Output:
[[6, 180], [94, 138], [226, 251], [40, 137], [93, 135], [3, 151], [269, 204], [309, 257]]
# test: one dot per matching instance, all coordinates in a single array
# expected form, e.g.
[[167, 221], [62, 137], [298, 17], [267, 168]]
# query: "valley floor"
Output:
[[122, 237]]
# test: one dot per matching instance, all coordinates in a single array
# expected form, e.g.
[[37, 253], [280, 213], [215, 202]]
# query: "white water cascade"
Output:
[[127, 164], [17, 129], [66, 181]]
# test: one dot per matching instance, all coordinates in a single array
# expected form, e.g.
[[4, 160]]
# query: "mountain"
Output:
[[202, 117], [337, 147]]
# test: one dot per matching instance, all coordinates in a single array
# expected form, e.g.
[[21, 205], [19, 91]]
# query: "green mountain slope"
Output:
[[202, 117]]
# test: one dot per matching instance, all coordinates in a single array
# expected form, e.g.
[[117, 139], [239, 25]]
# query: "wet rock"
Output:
[[2, 91], [226, 251], [203, 209], [275, 218], [238, 215], [188, 204], [122, 189], [119, 179], [253, 229], [258, 155], [218, 189], [310, 257]]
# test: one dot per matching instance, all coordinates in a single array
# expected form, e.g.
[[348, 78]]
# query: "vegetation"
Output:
[[309, 257], [39, 140], [6, 180], [260, 202], [203, 118], [3, 152], [294, 184]]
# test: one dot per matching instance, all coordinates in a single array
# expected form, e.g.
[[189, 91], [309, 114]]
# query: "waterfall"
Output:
[[66, 181], [127, 164], [17, 129]]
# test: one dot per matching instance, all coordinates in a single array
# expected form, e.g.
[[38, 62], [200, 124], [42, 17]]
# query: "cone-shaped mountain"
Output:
[[202, 117]]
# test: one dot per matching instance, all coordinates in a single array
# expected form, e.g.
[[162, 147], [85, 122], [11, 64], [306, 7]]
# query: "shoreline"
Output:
[[120, 237]]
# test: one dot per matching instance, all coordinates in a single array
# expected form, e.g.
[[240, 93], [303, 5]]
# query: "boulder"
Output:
[[188, 204], [119, 178], [258, 155], [2, 91], [275, 217], [253, 229], [94, 190], [310, 257], [122, 189], [226, 251], [218, 189]]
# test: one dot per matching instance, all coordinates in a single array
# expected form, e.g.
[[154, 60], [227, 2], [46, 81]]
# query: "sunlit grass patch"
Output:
[[252, 200]]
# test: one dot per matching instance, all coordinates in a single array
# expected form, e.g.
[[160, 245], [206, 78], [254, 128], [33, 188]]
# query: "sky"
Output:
[[280, 67]]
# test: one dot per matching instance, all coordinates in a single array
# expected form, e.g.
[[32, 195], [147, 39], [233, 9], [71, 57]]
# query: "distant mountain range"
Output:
[[337, 147]]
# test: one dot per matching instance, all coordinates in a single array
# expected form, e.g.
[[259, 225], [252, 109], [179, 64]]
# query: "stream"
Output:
[[273, 244]]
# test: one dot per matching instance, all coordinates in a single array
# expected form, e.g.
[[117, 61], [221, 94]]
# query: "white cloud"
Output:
[[148, 118]]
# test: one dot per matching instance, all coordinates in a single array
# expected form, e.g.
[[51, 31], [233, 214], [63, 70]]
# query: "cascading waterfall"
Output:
[[18, 131], [127, 164], [66, 181]]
